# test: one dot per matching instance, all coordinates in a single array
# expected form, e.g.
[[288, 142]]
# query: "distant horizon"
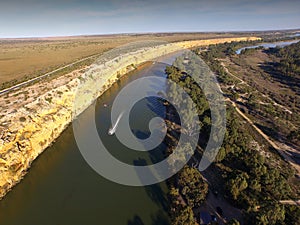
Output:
[[157, 32]]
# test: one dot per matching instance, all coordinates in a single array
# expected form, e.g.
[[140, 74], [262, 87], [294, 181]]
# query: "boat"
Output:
[[112, 130]]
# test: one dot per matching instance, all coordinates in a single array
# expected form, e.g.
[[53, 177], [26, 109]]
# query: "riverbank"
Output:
[[34, 116]]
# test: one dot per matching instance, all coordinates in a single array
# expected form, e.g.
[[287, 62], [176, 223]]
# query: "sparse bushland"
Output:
[[289, 64], [249, 173], [267, 87]]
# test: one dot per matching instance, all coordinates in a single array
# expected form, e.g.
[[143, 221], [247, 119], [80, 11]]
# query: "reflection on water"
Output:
[[61, 188], [295, 35]]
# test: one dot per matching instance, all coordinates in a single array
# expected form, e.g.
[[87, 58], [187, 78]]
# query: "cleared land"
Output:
[[22, 59]]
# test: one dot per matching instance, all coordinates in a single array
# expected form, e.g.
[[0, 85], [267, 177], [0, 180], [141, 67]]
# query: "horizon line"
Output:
[[150, 32]]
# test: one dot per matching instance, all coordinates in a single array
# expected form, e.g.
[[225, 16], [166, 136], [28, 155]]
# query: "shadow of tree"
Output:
[[154, 191], [292, 82], [157, 218], [160, 218], [135, 221], [267, 130], [157, 195]]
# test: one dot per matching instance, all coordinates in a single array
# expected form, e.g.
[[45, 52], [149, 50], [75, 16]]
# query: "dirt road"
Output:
[[20, 85], [281, 148]]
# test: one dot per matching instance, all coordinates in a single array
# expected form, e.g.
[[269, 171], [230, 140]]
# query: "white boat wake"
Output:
[[112, 130]]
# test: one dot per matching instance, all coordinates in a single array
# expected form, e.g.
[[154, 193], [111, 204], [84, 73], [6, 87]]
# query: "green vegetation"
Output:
[[22, 119], [226, 49], [269, 93], [249, 174], [289, 64], [188, 189], [48, 99], [294, 135], [184, 216], [253, 181], [250, 179], [233, 222], [192, 186]]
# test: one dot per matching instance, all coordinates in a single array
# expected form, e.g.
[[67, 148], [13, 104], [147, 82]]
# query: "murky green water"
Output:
[[61, 189]]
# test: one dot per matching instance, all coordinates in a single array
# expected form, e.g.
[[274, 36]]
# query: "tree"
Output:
[[193, 188], [233, 222], [294, 135], [270, 213], [238, 184], [180, 155], [189, 113], [221, 154], [184, 216], [173, 197]]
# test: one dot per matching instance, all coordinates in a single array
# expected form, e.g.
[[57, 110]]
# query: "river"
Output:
[[267, 45], [61, 189]]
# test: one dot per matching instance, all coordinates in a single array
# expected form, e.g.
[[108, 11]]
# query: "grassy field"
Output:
[[21, 59]]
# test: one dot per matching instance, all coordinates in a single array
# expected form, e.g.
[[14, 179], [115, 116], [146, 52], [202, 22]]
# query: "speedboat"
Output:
[[112, 130]]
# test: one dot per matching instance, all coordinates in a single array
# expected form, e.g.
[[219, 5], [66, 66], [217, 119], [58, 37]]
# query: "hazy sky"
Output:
[[74, 17]]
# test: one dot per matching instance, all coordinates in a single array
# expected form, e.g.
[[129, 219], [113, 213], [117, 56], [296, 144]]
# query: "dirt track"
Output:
[[283, 149]]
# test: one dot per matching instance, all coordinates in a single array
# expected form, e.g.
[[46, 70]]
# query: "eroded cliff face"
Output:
[[32, 118]]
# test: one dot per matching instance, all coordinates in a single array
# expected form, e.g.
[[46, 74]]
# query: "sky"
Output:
[[38, 18]]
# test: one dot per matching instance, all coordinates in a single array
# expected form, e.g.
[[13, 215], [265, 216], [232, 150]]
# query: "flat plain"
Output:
[[22, 59]]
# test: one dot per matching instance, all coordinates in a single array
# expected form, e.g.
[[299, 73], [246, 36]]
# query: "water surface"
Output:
[[61, 189], [267, 45]]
